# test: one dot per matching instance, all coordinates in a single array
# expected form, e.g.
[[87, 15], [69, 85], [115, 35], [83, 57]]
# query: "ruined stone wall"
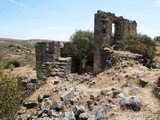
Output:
[[46, 52], [103, 37]]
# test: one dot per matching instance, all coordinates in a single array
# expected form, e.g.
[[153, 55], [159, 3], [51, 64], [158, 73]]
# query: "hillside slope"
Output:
[[123, 92]]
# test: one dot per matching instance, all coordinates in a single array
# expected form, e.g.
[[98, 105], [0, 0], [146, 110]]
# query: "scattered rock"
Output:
[[143, 82], [30, 104], [78, 110], [100, 112], [69, 116], [68, 95], [92, 83], [83, 116], [157, 91], [58, 105], [135, 90], [43, 95], [131, 102], [33, 80]]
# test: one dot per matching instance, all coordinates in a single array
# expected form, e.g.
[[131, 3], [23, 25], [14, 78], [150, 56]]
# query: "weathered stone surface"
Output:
[[48, 60], [103, 36], [78, 110], [33, 80], [30, 104], [100, 112], [157, 91], [143, 82], [68, 95], [58, 105], [135, 90], [43, 95], [69, 115], [131, 102], [83, 116], [46, 52]]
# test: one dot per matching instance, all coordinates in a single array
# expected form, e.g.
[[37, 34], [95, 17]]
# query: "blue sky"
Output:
[[58, 19]]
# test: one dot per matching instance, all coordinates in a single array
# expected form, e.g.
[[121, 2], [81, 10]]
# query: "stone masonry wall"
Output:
[[103, 37], [46, 52]]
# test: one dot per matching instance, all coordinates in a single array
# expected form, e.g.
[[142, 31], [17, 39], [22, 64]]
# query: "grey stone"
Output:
[[56, 82], [135, 90], [24, 82], [53, 113], [143, 82], [33, 80], [89, 102], [69, 115], [65, 118], [157, 91], [131, 102], [78, 110], [43, 95], [42, 113], [93, 96], [30, 104], [83, 116], [92, 117], [68, 95], [58, 105], [92, 83], [100, 112]]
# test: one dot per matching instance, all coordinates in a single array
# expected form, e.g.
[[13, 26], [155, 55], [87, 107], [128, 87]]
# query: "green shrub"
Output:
[[157, 39], [12, 62], [10, 96], [141, 44]]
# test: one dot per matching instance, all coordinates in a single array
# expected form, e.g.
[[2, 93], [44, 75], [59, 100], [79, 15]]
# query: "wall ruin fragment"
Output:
[[103, 36], [49, 61]]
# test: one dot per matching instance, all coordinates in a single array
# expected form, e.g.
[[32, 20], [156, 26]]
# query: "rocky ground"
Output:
[[126, 91]]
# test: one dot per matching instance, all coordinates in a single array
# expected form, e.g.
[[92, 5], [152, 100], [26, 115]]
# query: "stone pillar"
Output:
[[133, 27], [40, 52], [102, 37], [46, 52]]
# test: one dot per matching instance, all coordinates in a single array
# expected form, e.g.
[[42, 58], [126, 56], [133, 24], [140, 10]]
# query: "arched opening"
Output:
[[116, 31], [113, 30]]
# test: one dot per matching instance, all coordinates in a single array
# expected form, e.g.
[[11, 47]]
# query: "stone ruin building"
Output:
[[104, 24], [48, 54], [49, 61]]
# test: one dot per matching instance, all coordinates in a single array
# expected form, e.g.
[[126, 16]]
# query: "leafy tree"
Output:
[[82, 47]]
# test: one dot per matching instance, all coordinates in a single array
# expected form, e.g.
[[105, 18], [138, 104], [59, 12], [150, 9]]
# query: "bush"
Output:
[[10, 96], [141, 44], [12, 62], [157, 39]]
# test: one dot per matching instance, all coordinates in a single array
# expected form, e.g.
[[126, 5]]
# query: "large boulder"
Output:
[[131, 102], [30, 104]]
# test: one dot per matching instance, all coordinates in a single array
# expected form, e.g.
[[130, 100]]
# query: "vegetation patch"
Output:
[[12, 62], [141, 44], [10, 96]]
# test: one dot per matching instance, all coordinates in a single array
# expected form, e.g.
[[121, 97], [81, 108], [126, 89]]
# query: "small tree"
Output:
[[82, 46]]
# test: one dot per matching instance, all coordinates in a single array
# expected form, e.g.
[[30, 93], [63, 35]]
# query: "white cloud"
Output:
[[17, 3]]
